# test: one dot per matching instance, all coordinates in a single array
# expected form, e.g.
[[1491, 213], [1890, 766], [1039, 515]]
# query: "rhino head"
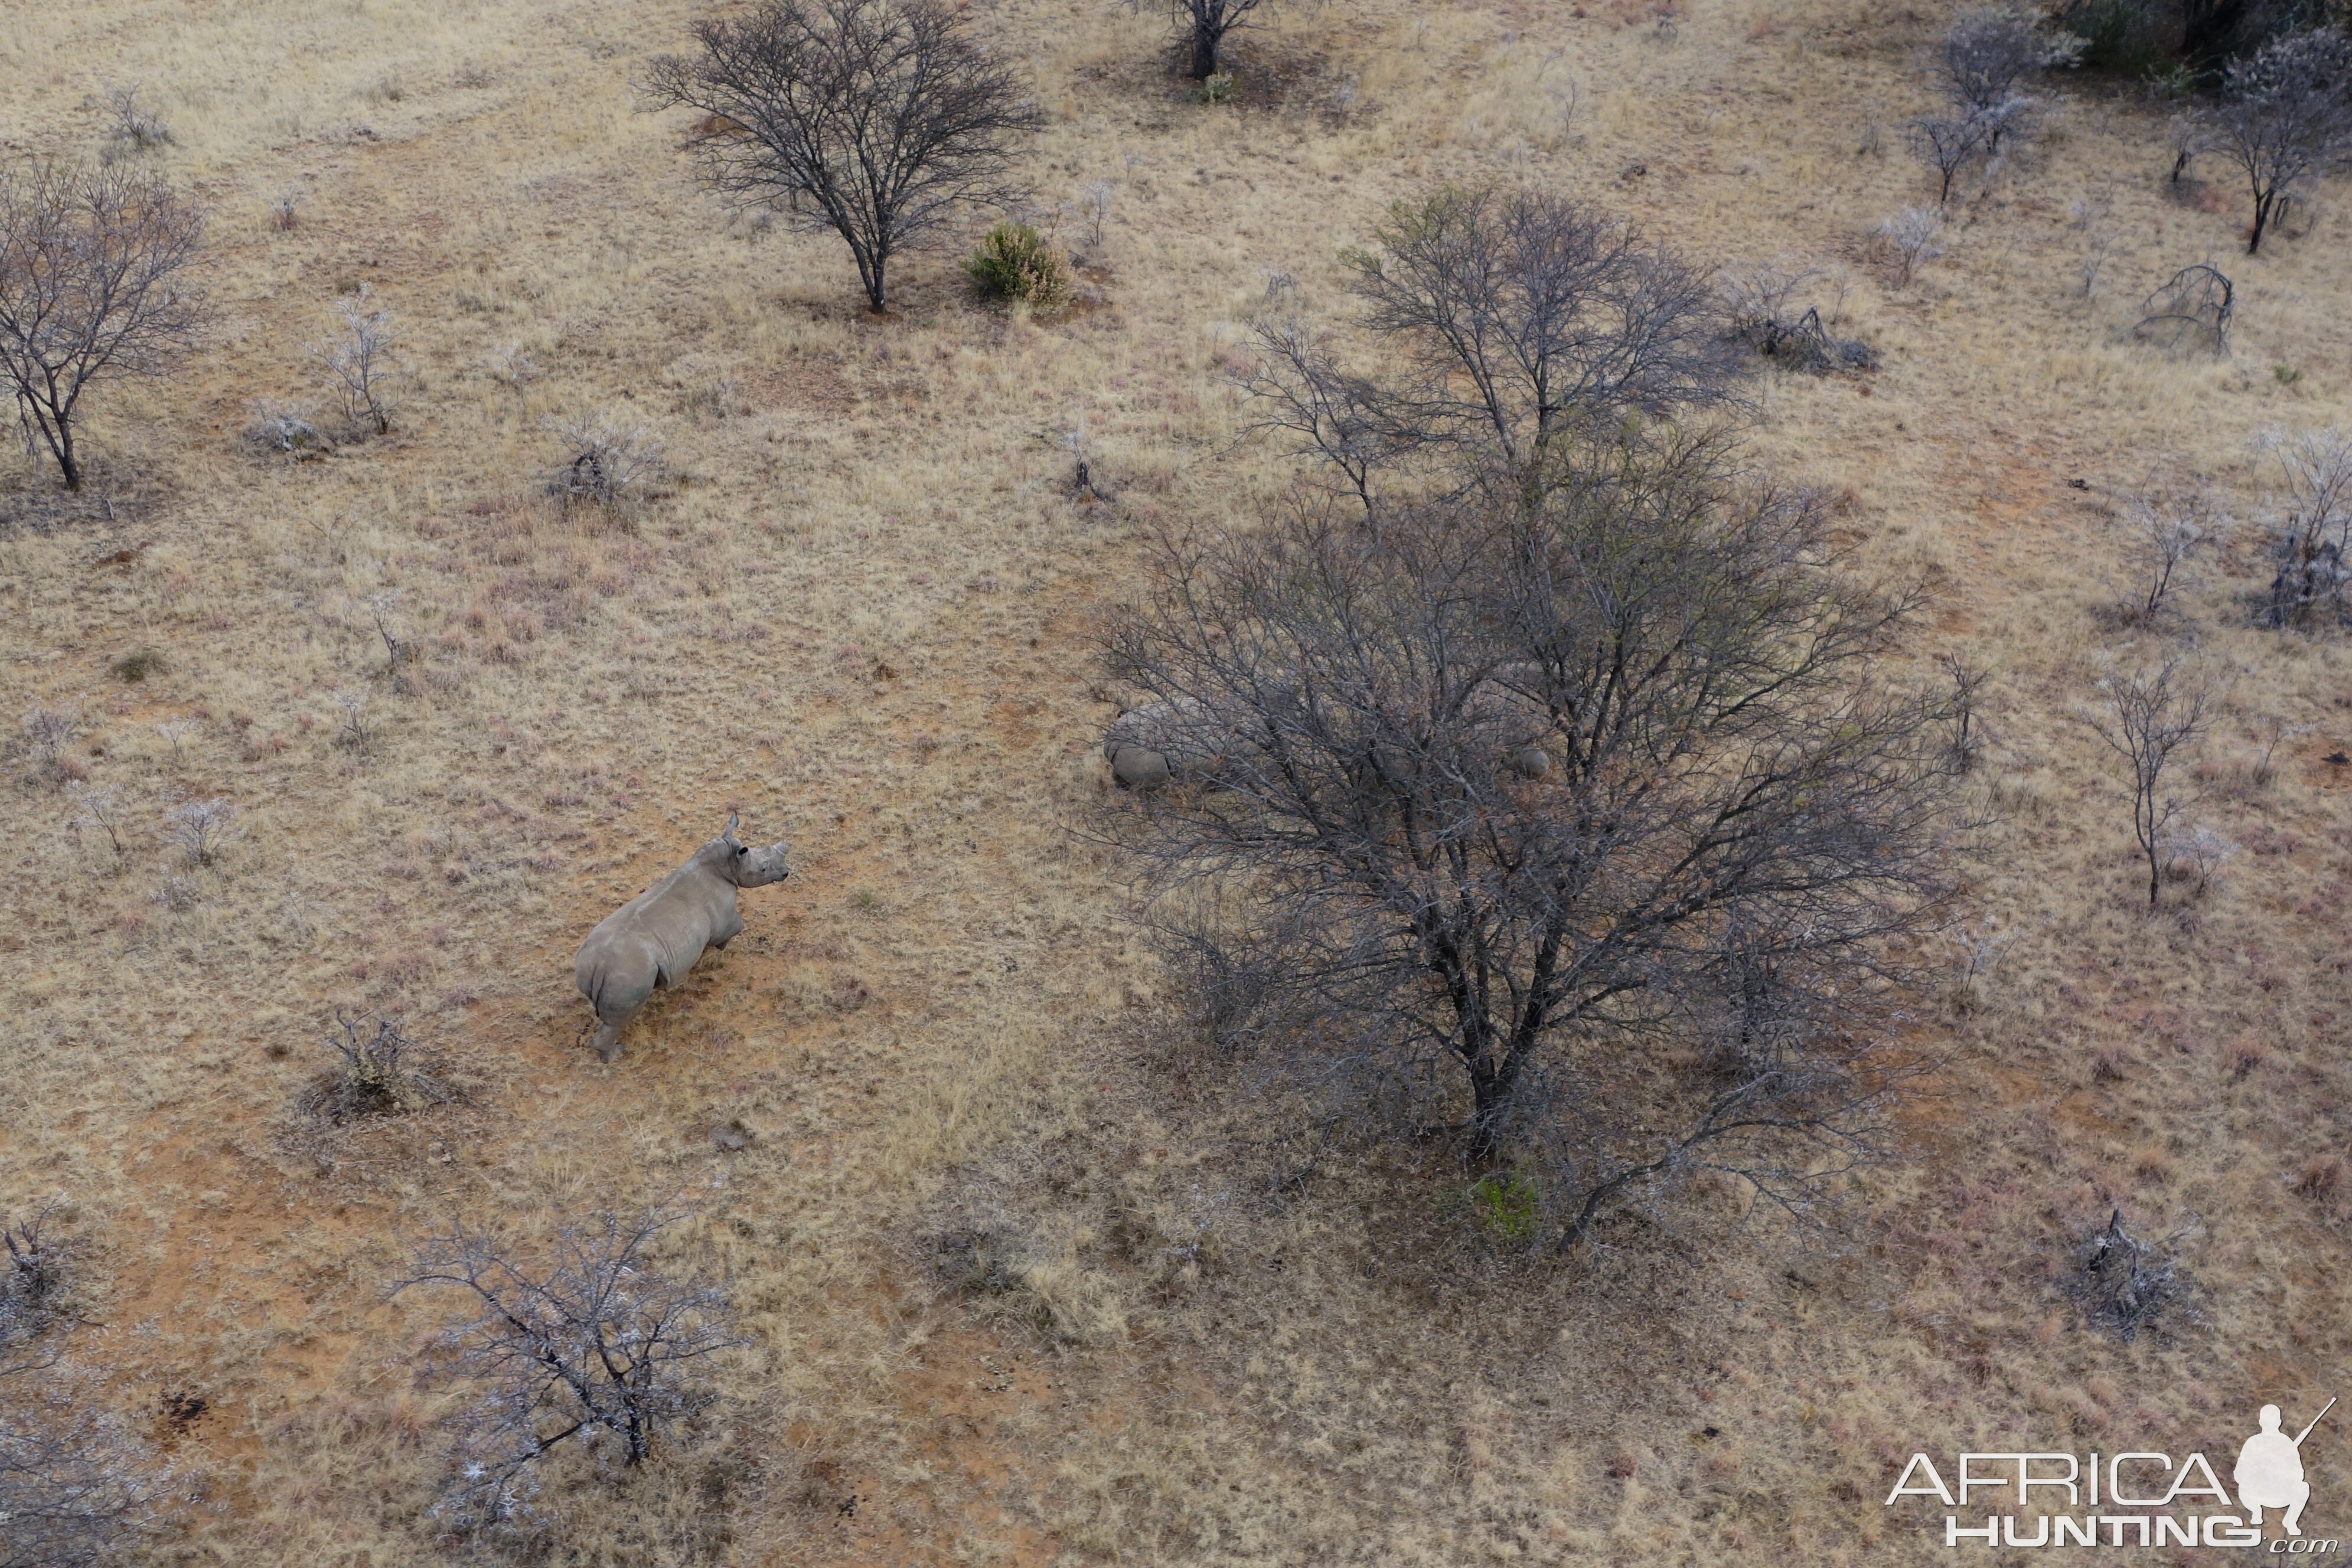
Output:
[[743, 866]]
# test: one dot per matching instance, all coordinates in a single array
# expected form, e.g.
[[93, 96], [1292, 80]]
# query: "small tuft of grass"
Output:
[[138, 664]]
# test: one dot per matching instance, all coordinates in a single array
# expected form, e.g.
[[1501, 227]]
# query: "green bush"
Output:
[[1506, 1203], [1014, 262], [1216, 88]]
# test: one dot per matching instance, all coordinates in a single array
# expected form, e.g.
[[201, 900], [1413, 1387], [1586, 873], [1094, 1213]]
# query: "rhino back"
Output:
[[673, 920]]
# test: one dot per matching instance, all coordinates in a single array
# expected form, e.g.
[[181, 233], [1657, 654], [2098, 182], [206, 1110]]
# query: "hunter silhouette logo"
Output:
[[2270, 1470], [2136, 1497]]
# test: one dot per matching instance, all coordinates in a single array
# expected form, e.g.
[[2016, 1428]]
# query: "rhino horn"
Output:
[[730, 833]]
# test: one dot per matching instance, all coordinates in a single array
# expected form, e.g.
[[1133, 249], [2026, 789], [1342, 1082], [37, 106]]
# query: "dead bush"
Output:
[[2125, 1285], [202, 828], [359, 362], [603, 461], [1769, 311], [133, 128], [593, 1345], [375, 1070], [281, 430]]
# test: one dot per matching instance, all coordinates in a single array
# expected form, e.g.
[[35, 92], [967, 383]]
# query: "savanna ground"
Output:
[[1028, 1279]]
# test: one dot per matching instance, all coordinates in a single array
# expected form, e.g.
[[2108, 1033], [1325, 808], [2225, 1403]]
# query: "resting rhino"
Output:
[[654, 939]]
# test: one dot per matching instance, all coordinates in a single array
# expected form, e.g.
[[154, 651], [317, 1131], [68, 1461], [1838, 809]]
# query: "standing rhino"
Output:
[[654, 939]]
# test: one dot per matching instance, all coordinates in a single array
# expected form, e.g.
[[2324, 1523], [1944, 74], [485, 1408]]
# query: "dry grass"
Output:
[[861, 610]]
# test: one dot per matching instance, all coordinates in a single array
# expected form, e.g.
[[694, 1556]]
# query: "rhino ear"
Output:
[[729, 834]]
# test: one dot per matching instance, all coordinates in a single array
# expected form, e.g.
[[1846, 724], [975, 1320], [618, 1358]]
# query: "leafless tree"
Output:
[[2186, 135], [2312, 548], [2285, 115], [102, 808], [2163, 531], [358, 726], [75, 1484], [596, 1345], [360, 361], [886, 117], [1948, 144], [202, 828], [48, 732], [1961, 724], [2092, 216], [2151, 716], [1527, 318], [1571, 819], [1343, 418], [1986, 52], [2193, 310], [1096, 205], [90, 289], [1914, 234], [2316, 466], [136, 129], [1203, 24]]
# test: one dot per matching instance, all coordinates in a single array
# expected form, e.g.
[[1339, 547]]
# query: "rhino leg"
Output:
[[608, 1038], [612, 983]]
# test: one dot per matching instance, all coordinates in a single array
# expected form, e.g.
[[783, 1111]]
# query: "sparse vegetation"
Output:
[[1042, 1247]]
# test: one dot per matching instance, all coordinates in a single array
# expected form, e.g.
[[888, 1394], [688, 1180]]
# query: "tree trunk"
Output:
[[2262, 221], [1204, 51], [1490, 1094], [67, 462]]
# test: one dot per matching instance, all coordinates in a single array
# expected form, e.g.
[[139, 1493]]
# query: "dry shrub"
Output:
[[605, 461], [2124, 1285], [374, 1073]]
